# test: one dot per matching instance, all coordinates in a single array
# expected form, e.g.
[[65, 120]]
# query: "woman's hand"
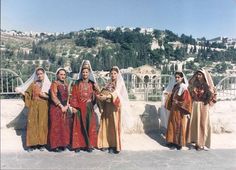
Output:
[[44, 95], [74, 110], [96, 87], [102, 97], [64, 109]]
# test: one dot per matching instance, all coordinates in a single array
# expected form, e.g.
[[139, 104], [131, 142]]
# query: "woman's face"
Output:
[[85, 73], [40, 75], [200, 76], [113, 75], [61, 75], [178, 79]]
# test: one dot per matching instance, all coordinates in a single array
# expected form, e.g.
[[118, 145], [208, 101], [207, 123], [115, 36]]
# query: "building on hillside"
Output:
[[176, 44], [143, 83]]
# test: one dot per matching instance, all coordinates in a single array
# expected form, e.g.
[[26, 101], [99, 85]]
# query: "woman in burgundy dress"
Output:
[[84, 130], [59, 129]]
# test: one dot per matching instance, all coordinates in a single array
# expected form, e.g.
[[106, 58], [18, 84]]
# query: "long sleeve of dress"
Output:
[[74, 97], [54, 91], [115, 98], [186, 103], [28, 96], [168, 102]]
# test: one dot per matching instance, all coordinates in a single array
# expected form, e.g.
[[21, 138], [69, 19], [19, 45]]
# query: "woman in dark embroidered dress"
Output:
[[59, 128]]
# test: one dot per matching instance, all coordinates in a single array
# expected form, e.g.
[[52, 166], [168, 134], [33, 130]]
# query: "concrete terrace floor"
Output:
[[140, 151], [130, 160]]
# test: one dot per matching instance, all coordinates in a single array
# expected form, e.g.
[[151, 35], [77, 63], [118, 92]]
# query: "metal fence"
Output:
[[9, 81], [226, 88], [143, 90]]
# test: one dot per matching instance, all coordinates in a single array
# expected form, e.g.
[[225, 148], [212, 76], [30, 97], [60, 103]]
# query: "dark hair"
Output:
[[200, 72], [179, 73], [203, 75], [114, 69]]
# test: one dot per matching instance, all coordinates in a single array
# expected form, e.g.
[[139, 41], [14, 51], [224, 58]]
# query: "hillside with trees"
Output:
[[123, 47]]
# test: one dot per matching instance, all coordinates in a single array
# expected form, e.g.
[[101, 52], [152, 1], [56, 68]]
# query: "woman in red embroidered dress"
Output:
[[59, 128], [84, 131]]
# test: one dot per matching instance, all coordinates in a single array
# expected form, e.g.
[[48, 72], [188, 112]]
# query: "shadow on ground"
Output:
[[151, 124], [19, 124]]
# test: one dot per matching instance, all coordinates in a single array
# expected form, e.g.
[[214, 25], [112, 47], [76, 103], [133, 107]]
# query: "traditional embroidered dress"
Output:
[[37, 120], [84, 130], [110, 124], [37, 123], [84, 134], [203, 95], [59, 128], [177, 130]]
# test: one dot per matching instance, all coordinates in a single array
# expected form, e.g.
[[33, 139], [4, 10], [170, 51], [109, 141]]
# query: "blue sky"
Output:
[[208, 18]]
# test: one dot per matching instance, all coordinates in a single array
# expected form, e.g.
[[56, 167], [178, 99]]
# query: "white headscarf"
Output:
[[45, 86], [127, 120], [91, 75], [59, 69]]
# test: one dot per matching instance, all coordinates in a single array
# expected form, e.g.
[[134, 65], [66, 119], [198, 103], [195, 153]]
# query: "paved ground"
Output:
[[140, 151], [178, 160]]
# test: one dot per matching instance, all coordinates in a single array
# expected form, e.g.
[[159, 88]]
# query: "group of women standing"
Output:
[[189, 103], [49, 122]]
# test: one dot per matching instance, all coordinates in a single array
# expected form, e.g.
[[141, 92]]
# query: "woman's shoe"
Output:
[[29, 149], [103, 149], [89, 150], [199, 148], [62, 148], [116, 152], [110, 150], [77, 150], [41, 148], [178, 147], [171, 146], [57, 150]]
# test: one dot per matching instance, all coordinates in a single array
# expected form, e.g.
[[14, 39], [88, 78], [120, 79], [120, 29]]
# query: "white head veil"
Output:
[[127, 121], [91, 75], [164, 113], [59, 69], [46, 82]]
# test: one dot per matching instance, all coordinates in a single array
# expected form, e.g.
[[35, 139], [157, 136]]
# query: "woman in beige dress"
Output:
[[203, 94]]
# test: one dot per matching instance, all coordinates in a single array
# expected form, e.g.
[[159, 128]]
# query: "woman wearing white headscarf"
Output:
[[180, 106], [115, 113], [59, 127], [84, 131], [203, 94], [35, 91]]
